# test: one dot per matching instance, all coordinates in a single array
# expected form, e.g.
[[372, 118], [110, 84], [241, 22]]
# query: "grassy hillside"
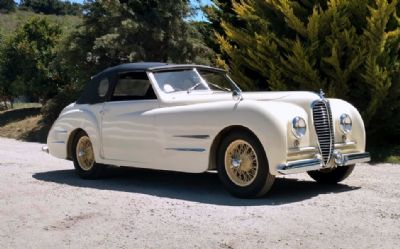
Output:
[[24, 122], [9, 22]]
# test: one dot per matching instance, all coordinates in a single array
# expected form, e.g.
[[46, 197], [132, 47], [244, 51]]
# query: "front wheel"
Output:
[[83, 157], [243, 166], [331, 176]]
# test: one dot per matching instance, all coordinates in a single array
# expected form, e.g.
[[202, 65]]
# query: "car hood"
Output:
[[267, 96], [299, 98]]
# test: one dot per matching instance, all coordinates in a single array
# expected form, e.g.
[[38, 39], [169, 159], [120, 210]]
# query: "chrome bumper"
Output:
[[301, 166], [45, 149]]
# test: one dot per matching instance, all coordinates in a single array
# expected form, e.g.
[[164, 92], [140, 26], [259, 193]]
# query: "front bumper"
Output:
[[317, 163]]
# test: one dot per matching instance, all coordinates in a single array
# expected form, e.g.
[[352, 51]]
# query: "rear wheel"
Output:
[[243, 167], [83, 157], [331, 176]]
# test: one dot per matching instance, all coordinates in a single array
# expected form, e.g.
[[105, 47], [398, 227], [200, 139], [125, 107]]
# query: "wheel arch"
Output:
[[71, 141], [212, 165]]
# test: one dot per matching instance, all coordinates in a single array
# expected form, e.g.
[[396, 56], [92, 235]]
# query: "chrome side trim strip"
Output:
[[60, 130], [187, 149], [58, 142], [300, 166], [302, 150], [356, 158], [341, 145], [193, 136]]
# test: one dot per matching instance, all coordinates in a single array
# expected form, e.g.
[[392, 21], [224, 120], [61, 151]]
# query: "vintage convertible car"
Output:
[[193, 118]]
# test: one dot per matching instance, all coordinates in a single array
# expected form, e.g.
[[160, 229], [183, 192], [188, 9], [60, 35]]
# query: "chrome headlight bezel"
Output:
[[345, 123], [299, 127]]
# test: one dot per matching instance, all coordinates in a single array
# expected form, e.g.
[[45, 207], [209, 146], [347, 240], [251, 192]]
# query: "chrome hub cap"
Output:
[[236, 163], [84, 152], [241, 163]]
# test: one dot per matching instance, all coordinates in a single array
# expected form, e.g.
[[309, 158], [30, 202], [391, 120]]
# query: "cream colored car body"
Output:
[[181, 131]]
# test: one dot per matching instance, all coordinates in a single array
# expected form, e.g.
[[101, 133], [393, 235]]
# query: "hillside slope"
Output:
[[9, 22]]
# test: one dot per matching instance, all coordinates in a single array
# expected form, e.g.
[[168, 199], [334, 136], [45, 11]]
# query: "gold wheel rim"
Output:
[[241, 163], [84, 153]]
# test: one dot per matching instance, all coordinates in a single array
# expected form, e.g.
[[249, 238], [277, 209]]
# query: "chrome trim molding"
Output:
[[341, 145], [301, 166], [187, 149], [298, 150], [354, 158], [194, 136], [45, 149], [60, 130], [171, 67], [58, 142]]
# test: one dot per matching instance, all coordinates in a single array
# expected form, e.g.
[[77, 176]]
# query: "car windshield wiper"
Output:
[[219, 87], [193, 87]]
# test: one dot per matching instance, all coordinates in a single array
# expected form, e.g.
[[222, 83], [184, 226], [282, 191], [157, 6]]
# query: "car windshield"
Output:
[[193, 80]]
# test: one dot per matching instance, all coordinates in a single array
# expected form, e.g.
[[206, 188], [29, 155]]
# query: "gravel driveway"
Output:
[[43, 204]]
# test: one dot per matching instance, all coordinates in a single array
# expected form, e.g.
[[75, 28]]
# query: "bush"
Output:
[[54, 106], [349, 48]]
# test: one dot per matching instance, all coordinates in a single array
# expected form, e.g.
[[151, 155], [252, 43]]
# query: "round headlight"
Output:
[[346, 124], [299, 127]]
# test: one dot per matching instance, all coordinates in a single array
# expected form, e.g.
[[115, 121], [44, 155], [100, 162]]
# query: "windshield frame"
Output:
[[232, 85]]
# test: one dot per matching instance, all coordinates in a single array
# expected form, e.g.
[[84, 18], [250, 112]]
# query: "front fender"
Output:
[[357, 134], [271, 123]]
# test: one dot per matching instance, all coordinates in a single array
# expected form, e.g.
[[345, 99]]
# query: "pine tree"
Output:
[[350, 48]]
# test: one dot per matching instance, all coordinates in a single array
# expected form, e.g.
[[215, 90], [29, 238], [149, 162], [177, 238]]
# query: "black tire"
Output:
[[262, 180], [331, 176], [95, 171]]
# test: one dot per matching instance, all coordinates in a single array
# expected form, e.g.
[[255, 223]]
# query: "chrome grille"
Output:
[[324, 128]]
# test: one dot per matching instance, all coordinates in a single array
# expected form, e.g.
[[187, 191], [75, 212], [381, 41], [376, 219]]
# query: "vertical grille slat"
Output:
[[324, 128]]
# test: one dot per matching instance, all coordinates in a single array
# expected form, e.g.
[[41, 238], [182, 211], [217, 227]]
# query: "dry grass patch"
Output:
[[23, 124]]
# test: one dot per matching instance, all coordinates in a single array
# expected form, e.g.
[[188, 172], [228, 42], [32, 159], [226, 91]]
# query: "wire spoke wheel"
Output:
[[84, 153], [241, 163]]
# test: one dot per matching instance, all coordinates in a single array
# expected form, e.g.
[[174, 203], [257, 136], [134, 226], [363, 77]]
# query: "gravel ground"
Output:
[[43, 204]]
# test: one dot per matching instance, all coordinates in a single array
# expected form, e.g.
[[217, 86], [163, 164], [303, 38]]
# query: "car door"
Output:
[[128, 128]]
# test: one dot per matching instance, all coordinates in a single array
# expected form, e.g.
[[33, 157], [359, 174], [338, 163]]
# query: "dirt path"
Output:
[[43, 204]]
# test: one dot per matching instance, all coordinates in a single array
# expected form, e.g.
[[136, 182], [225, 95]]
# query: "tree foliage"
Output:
[[350, 48], [7, 6], [56, 7], [27, 62], [115, 32]]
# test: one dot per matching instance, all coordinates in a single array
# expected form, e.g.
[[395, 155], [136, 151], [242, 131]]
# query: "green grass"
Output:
[[27, 105], [9, 22]]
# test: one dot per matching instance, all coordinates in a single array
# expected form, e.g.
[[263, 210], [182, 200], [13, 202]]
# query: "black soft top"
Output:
[[89, 94], [139, 66]]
